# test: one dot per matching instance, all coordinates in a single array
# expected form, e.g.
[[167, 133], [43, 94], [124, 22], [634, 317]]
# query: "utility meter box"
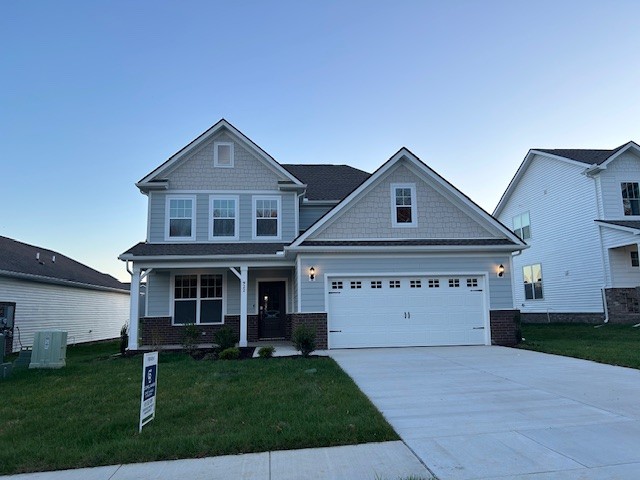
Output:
[[49, 349]]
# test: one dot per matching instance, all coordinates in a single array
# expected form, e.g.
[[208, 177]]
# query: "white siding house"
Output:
[[581, 240], [53, 292]]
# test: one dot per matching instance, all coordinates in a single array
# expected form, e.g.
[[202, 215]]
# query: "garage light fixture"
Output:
[[312, 274], [501, 270]]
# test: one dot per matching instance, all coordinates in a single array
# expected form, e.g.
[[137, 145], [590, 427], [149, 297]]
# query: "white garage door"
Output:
[[406, 311]]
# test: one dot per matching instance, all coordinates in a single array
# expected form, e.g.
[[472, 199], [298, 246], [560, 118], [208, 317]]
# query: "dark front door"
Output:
[[272, 310]]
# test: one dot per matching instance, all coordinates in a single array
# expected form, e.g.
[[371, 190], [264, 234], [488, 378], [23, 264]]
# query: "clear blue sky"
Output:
[[94, 95]]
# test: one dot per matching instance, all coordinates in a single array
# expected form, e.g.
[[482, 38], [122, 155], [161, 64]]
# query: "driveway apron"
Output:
[[495, 412]]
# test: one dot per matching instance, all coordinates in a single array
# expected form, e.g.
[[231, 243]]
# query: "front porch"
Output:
[[622, 296]]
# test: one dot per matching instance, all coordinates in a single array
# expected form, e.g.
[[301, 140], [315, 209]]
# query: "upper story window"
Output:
[[266, 217], [224, 218], [532, 275], [223, 154], [635, 261], [630, 198], [403, 205], [180, 224], [522, 226]]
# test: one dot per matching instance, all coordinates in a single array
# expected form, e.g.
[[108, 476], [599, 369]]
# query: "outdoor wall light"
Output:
[[501, 270], [312, 274]]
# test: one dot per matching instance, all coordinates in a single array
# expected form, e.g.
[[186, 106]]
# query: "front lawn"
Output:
[[86, 414], [612, 344]]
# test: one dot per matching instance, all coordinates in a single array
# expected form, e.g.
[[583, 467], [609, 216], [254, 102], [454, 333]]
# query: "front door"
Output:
[[272, 312]]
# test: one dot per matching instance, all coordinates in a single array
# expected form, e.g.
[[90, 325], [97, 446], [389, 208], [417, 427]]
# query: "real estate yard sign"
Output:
[[149, 388]]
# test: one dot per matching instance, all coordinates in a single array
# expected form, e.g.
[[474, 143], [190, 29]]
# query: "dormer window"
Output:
[[403, 205], [180, 218], [630, 198], [223, 154]]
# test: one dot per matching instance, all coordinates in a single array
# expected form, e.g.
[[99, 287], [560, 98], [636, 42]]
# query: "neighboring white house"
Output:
[[51, 291], [579, 212]]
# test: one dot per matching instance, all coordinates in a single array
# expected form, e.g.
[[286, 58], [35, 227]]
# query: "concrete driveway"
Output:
[[494, 412]]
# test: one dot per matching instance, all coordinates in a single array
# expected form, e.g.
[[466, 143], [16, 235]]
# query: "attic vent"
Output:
[[53, 259], [38, 256]]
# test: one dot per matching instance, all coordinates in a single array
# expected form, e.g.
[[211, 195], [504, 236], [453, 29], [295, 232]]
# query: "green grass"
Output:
[[86, 414], [612, 344]]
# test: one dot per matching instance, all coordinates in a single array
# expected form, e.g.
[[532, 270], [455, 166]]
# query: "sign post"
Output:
[[149, 388]]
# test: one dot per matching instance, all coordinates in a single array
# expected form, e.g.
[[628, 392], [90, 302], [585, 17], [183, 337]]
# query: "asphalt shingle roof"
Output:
[[21, 258], [328, 182], [586, 156], [623, 223], [196, 249]]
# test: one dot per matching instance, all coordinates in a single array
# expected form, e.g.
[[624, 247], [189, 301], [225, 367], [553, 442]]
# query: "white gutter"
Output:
[[144, 258], [407, 248]]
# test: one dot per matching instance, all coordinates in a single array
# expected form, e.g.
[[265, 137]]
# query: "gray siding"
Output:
[[158, 294], [313, 293], [157, 220], [438, 213], [309, 214], [625, 168], [86, 315]]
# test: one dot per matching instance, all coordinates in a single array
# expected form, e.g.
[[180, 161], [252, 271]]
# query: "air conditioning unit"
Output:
[[49, 349]]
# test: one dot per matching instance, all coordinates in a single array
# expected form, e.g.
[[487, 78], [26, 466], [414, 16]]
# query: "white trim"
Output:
[[198, 273], [628, 146], [236, 234], [634, 231], [299, 280], [260, 280], [394, 207], [216, 146], [228, 192], [149, 217], [254, 220], [167, 218]]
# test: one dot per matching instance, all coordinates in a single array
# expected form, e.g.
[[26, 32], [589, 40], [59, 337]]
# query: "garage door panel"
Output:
[[411, 314]]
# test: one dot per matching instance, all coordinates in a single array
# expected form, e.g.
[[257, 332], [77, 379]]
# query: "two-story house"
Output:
[[396, 258], [579, 212]]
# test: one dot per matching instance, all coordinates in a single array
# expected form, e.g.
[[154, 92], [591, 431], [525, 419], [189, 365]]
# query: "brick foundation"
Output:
[[159, 331], [569, 317], [623, 304], [505, 328], [317, 321]]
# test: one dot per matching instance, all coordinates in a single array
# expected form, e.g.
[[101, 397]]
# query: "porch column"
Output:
[[243, 305], [134, 311]]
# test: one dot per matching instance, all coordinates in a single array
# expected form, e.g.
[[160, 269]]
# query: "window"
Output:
[[223, 154], [532, 275], [336, 285], [630, 198], [224, 218], [415, 284], [403, 203], [356, 284], [376, 284], [635, 262], [197, 299], [472, 282], [266, 217], [394, 283], [522, 226], [434, 283], [180, 218], [454, 282]]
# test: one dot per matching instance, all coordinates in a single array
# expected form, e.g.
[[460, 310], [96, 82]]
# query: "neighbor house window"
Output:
[[630, 198], [224, 218], [197, 299], [521, 226], [403, 203], [532, 275], [635, 262], [180, 218], [266, 214], [223, 154]]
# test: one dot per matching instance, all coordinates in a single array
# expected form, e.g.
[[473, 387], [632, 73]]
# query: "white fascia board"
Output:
[[635, 231], [629, 146], [146, 186], [59, 281], [413, 248], [320, 202], [192, 258], [205, 136], [209, 264]]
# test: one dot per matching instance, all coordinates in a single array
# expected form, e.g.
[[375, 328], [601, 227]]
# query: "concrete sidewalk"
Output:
[[374, 461]]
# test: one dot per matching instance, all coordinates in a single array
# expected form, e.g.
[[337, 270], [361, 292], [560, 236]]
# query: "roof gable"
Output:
[[30, 261], [484, 223], [158, 175]]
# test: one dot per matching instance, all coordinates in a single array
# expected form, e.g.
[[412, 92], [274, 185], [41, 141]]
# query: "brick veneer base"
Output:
[[623, 304], [504, 327], [569, 317], [159, 331], [317, 321]]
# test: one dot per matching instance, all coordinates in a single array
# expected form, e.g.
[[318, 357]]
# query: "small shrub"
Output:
[[190, 338], [225, 338], [232, 353], [124, 338], [304, 339], [266, 352]]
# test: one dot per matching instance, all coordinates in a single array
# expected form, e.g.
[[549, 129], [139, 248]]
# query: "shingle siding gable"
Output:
[[370, 215], [197, 172]]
